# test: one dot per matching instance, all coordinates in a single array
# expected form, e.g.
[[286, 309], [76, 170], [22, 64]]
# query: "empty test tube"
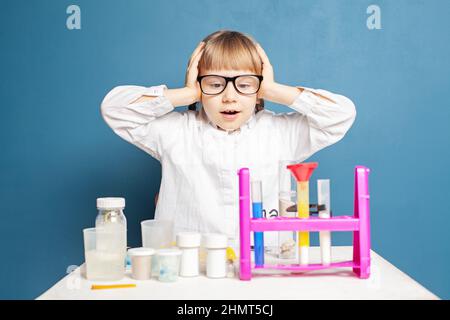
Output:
[[323, 197]]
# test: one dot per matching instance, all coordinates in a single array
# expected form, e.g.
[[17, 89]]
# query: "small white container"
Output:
[[169, 264], [216, 258], [141, 263], [189, 243]]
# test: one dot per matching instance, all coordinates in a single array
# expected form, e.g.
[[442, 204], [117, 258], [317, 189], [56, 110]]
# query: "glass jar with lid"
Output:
[[111, 218]]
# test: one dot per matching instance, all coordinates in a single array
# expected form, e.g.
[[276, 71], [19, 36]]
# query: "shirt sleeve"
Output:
[[316, 122], [144, 124]]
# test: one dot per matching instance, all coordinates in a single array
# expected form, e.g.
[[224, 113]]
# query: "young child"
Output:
[[201, 151]]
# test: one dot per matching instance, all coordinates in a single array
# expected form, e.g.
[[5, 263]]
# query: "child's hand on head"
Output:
[[267, 73], [192, 71]]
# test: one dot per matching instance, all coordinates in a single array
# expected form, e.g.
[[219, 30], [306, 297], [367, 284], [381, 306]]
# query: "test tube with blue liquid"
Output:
[[257, 207]]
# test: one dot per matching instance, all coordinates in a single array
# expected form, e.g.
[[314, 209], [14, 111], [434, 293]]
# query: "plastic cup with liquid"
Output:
[[105, 253]]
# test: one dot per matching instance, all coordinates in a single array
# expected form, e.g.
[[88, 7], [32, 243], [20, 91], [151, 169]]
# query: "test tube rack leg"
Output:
[[361, 237], [359, 223]]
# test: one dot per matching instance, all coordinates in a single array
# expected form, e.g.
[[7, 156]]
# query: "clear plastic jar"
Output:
[[110, 211], [169, 264], [111, 218]]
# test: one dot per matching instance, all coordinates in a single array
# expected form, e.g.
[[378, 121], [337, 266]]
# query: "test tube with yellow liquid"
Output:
[[302, 172]]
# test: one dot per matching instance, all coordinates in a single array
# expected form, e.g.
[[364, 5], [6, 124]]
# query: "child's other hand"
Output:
[[267, 73], [191, 82]]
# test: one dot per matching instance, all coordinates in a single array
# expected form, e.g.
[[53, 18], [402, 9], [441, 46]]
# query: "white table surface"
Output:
[[385, 282]]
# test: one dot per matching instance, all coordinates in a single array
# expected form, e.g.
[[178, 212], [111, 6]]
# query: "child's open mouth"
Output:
[[230, 114]]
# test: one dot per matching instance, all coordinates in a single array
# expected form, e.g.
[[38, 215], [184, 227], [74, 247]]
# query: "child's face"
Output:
[[229, 99]]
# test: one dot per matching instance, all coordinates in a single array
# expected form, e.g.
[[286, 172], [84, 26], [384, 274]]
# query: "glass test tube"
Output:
[[323, 197], [257, 206], [287, 198], [303, 213]]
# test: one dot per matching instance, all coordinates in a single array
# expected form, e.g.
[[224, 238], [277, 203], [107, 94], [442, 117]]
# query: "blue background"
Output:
[[58, 155]]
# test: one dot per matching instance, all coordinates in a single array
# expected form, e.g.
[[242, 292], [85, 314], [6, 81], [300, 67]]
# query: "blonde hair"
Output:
[[230, 50]]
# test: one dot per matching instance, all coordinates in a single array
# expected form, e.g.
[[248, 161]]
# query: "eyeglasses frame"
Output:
[[228, 79]]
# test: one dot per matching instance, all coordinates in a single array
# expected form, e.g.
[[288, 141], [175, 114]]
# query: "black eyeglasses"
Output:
[[247, 84]]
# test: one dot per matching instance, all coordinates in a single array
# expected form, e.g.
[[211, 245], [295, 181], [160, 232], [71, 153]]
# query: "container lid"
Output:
[[141, 251], [215, 241], [168, 252], [108, 203], [188, 239]]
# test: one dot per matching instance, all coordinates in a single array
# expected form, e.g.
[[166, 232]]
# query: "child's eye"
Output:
[[215, 85]]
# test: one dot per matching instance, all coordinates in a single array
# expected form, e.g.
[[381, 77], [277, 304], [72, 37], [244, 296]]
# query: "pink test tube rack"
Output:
[[359, 223]]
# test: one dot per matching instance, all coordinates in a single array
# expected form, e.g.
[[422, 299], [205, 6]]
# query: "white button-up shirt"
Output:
[[199, 185]]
